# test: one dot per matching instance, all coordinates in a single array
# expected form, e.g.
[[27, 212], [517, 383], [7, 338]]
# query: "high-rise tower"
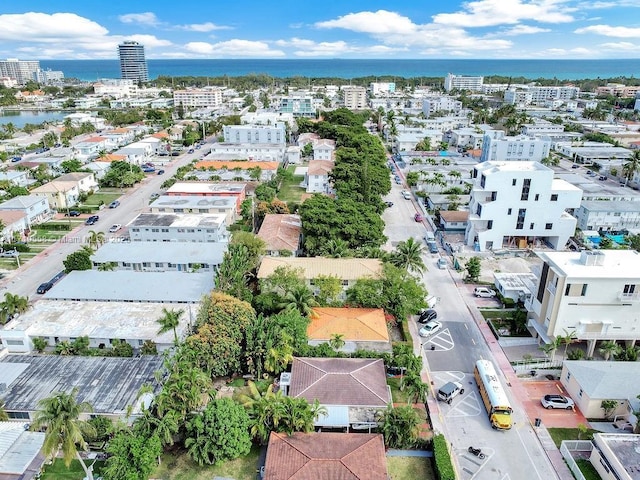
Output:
[[133, 65]]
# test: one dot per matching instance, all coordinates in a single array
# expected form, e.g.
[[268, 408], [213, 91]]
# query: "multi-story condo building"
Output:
[[355, 98], [526, 95], [133, 65], [498, 147], [179, 227], [608, 215], [382, 88], [590, 295], [519, 204], [275, 134], [440, 104], [298, 106], [460, 82], [19, 70], [198, 97], [48, 76]]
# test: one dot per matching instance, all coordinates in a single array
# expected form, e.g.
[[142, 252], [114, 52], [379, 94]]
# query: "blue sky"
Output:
[[537, 29]]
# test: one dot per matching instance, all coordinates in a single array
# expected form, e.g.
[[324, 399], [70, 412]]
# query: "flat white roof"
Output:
[[127, 286], [207, 187], [179, 220], [128, 320], [512, 166], [194, 201], [168, 252], [617, 264]]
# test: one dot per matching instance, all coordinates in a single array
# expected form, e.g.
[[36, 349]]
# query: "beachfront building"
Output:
[[133, 65], [20, 71], [461, 82], [518, 205], [355, 98], [198, 97], [497, 146]]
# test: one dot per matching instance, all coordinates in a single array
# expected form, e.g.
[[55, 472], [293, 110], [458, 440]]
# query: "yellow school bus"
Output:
[[493, 396]]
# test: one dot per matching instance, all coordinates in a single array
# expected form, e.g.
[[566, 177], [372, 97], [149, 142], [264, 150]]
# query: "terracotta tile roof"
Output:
[[118, 130], [281, 231], [218, 164], [95, 140], [9, 217], [319, 456], [112, 157], [355, 324], [312, 267], [160, 135], [340, 381], [320, 167], [454, 215]]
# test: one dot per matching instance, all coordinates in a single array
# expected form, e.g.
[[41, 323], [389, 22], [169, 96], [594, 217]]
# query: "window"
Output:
[[554, 197], [522, 212], [345, 283], [513, 182], [629, 289], [580, 393], [489, 224], [535, 199], [483, 179], [526, 186], [548, 226], [568, 376], [509, 211], [18, 415], [531, 226], [584, 290]]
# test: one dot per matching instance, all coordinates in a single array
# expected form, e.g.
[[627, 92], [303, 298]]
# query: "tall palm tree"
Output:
[[60, 416], [169, 320], [12, 305], [299, 298], [95, 239], [632, 166], [609, 348], [408, 256]]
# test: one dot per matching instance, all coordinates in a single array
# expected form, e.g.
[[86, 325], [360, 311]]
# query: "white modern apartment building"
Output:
[[115, 87], [461, 82], [19, 70], [526, 95], [592, 295], [133, 64], [382, 88], [198, 97], [496, 146], [178, 227], [519, 204], [275, 134], [608, 215], [355, 98], [443, 103]]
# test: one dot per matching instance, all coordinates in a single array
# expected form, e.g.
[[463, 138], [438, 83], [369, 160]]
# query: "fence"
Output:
[[582, 447], [523, 366]]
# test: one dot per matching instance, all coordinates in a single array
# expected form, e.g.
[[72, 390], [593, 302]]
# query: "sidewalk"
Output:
[[517, 387]]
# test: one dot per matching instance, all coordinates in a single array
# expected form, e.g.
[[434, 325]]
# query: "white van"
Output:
[[429, 237], [432, 301]]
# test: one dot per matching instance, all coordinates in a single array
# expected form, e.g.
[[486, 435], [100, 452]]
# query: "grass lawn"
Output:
[[106, 197], [59, 471], [180, 467], [589, 472], [410, 468], [396, 395], [560, 434], [290, 190]]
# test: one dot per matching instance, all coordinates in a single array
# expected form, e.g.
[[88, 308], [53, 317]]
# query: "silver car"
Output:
[[557, 401]]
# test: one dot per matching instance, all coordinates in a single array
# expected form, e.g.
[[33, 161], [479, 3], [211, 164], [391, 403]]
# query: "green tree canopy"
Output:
[[131, 456], [78, 260]]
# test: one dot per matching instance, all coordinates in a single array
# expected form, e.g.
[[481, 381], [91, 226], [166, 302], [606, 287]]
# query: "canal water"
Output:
[[20, 118]]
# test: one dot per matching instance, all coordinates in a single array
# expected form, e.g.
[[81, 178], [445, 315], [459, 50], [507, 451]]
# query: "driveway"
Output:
[[550, 418]]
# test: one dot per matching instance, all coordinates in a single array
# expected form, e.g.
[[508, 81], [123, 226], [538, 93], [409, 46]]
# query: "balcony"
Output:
[[629, 297]]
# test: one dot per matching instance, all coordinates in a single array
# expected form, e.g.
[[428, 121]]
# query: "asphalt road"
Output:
[[513, 454], [134, 201]]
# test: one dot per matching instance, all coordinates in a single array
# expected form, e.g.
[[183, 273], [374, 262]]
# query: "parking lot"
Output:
[[536, 389]]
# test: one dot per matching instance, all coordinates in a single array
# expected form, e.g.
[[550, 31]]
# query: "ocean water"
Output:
[[91, 70]]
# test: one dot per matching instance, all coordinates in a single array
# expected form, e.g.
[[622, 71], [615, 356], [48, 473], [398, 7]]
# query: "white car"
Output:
[[114, 228], [406, 195], [557, 401], [484, 292], [430, 328]]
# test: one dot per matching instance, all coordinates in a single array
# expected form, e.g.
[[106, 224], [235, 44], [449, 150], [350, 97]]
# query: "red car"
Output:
[[417, 217]]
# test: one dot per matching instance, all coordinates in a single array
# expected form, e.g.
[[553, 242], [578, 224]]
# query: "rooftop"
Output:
[[188, 202], [609, 206], [313, 456], [312, 267], [18, 449], [109, 384], [281, 231], [616, 264], [340, 381], [127, 286], [625, 448], [454, 215], [320, 167], [355, 324], [171, 252], [207, 188], [179, 220], [127, 320], [21, 202], [511, 166], [600, 379], [230, 165]]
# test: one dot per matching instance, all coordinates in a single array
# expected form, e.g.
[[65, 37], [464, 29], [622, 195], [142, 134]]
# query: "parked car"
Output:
[[398, 181], [389, 204], [557, 401], [175, 154], [406, 195], [114, 204], [92, 220], [449, 391], [484, 292], [160, 172], [602, 177], [575, 165], [16, 159], [72, 213], [442, 263], [430, 328], [417, 217], [9, 253], [154, 196], [427, 315], [115, 227], [191, 150], [148, 169], [44, 287]]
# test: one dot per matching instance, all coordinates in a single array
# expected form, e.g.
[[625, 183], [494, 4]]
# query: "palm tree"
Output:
[[107, 266], [60, 416], [95, 239], [336, 341], [3, 413], [335, 248], [279, 356], [13, 304], [609, 348], [632, 166], [169, 320], [550, 348], [408, 256], [300, 298]]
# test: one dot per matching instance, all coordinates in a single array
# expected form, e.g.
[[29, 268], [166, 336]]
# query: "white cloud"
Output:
[[486, 13], [234, 48], [380, 22], [203, 27], [620, 46], [146, 18], [149, 41], [523, 30], [610, 31], [33, 27]]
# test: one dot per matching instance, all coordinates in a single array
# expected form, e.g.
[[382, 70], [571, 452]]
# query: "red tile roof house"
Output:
[[353, 390], [330, 456]]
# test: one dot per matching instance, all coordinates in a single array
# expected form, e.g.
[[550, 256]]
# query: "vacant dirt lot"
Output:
[[505, 264]]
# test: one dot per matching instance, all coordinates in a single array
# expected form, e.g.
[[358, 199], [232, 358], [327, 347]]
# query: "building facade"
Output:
[[265, 134], [178, 227], [19, 70], [461, 82], [519, 204], [198, 98], [133, 64], [593, 295], [355, 98], [496, 146]]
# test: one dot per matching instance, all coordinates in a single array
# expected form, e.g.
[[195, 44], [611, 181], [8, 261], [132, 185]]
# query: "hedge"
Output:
[[443, 466], [20, 247], [54, 226]]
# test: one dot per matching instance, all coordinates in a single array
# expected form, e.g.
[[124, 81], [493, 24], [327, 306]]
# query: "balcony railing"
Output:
[[629, 297]]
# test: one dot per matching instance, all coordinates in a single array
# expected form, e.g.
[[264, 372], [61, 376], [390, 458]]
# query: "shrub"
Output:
[[20, 247], [54, 226], [442, 459]]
